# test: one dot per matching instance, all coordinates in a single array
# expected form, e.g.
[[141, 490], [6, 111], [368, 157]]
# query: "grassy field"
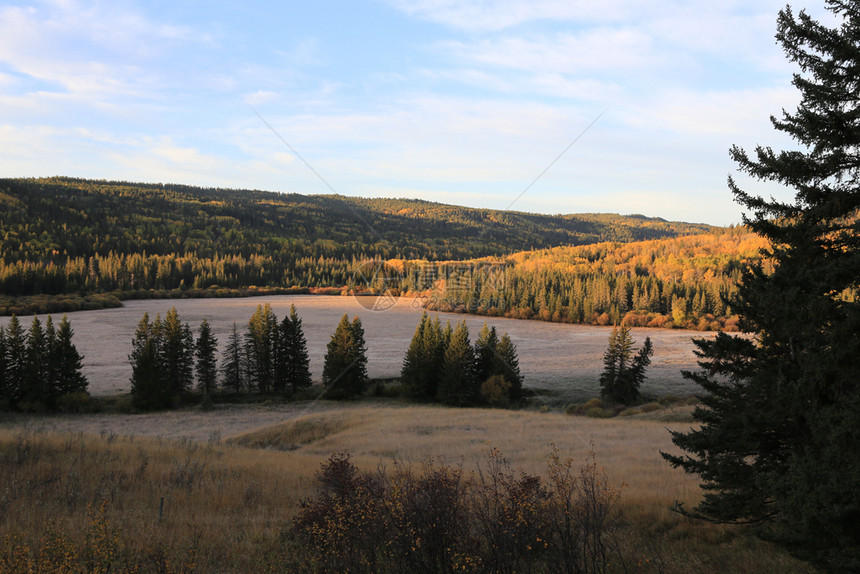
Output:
[[163, 502]]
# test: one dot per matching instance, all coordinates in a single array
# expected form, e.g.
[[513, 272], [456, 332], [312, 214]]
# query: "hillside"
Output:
[[63, 217], [674, 282], [63, 235]]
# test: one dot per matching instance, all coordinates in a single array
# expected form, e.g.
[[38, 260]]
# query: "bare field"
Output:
[[560, 361]]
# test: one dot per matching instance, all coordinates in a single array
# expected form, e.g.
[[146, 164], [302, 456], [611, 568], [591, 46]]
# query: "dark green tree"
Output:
[[777, 445], [149, 389], [623, 373], [293, 364], [68, 361], [37, 393], [616, 363], [204, 351], [261, 343], [506, 364], [458, 385], [345, 368], [50, 362], [16, 360], [485, 353], [232, 369], [176, 354]]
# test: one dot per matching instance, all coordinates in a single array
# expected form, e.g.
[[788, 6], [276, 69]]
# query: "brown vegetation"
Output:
[[227, 506]]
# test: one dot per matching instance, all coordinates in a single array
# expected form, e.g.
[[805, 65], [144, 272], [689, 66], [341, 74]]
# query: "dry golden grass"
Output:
[[227, 504]]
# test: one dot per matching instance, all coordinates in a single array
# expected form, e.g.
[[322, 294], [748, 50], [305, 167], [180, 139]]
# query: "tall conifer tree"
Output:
[[204, 351], [778, 443]]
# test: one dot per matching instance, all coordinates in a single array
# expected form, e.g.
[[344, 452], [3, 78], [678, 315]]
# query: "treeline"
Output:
[[40, 369], [270, 356], [63, 235]]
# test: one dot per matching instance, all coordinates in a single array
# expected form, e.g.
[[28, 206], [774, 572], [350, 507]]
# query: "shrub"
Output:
[[599, 413], [495, 391], [442, 520]]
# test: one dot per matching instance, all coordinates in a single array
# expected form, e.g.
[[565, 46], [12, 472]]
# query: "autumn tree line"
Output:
[[62, 240]]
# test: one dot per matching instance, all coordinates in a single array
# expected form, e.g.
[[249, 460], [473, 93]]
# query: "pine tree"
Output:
[[360, 351], [36, 394], [507, 365], [294, 362], [50, 361], [204, 350], [777, 445], [420, 372], [260, 348], [485, 353], [176, 354], [16, 359], [345, 370], [149, 389], [458, 385], [616, 363], [232, 369], [69, 362]]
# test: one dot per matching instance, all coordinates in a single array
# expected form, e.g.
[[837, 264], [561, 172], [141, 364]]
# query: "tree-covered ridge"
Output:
[[681, 282], [55, 219]]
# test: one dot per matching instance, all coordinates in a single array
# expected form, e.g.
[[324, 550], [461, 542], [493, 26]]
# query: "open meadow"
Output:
[[220, 497], [560, 361]]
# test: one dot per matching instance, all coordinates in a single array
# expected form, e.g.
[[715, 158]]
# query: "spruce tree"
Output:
[[36, 394], [485, 353], [345, 368], [294, 362], [232, 370], [261, 343], [204, 351], [16, 360], [359, 376], [457, 385], [50, 360], [616, 363], [176, 354], [414, 373], [777, 445], [69, 362], [506, 364], [149, 389]]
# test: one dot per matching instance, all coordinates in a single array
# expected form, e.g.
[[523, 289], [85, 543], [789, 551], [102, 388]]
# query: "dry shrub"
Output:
[[441, 520], [496, 391]]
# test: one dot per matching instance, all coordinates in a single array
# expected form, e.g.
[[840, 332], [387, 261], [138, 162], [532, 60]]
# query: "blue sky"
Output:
[[463, 102]]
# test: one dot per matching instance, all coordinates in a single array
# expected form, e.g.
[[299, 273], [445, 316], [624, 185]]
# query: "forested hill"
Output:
[[55, 219]]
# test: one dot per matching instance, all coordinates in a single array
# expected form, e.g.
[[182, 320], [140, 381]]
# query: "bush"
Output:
[[442, 520], [599, 413], [496, 391]]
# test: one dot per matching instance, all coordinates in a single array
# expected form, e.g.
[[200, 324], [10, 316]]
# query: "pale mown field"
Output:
[[560, 361]]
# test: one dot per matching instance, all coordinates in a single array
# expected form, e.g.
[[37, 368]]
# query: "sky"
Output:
[[548, 106]]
